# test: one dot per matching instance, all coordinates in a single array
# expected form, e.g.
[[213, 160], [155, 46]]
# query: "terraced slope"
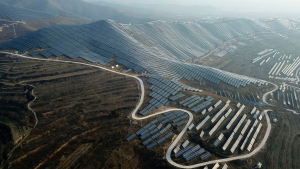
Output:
[[75, 105]]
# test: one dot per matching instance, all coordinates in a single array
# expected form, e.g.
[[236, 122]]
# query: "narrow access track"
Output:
[[133, 115], [297, 72], [266, 94], [263, 142], [27, 134]]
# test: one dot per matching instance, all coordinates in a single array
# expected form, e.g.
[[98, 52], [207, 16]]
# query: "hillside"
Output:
[[17, 14], [169, 9], [71, 113], [77, 9], [25, 27], [155, 47]]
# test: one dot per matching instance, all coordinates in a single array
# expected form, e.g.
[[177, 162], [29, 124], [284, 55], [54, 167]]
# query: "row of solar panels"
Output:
[[160, 140], [162, 89], [191, 152], [202, 105], [176, 97], [150, 128], [168, 116]]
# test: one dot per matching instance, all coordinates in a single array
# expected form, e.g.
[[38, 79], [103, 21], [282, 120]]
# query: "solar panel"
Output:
[[216, 142], [180, 123], [188, 153], [195, 154], [206, 155], [183, 151], [145, 136], [153, 131], [147, 141], [131, 137], [151, 145]]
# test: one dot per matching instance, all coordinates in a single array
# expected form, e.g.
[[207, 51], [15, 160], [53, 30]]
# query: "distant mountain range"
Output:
[[77, 9], [169, 9], [32, 25]]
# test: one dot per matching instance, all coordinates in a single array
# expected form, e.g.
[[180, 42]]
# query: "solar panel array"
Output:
[[191, 126], [187, 99], [131, 137], [140, 47], [176, 149], [202, 122], [216, 143], [240, 123], [188, 153], [180, 123], [18, 14], [185, 143], [151, 145], [216, 126], [180, 118], [225, 166], [218, 103], [202, 105], [236, 143], [34, 53], [235, 117], [165, 137], [228, 112], [219, 113], [253, 102], [183, 151], [217, 165], [162, 88], [225, 146], [248, 135], [151, 131]]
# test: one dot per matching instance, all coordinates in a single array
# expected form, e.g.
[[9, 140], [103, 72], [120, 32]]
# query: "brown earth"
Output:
[[75, 105]]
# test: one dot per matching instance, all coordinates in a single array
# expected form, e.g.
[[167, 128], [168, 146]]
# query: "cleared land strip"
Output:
[[168, 155]]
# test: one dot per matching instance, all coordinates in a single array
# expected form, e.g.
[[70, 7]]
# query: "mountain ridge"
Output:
[[77, 9]]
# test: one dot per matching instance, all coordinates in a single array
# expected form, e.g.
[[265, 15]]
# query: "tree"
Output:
[[115, 114]]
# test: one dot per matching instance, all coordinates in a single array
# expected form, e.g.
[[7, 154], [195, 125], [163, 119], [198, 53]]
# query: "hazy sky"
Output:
[[227, 4]]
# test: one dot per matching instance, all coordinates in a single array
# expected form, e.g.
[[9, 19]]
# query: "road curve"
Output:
[[293, 111], [36, 122], [266, 94], [297, 72], [221, 160], [168, 154]]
